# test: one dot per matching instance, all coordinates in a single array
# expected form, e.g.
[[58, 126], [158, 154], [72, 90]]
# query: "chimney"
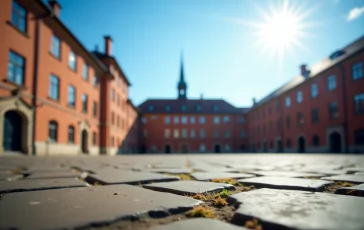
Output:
[[304, 71], [254, 101], [108, 43], [56, 7]]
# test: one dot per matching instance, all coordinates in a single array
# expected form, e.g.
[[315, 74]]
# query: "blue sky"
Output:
[[222, 58]]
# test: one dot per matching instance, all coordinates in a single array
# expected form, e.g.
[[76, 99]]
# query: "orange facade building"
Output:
[[55, 95]]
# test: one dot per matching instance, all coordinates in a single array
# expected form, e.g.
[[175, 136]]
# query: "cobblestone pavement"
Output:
[[162, 192]]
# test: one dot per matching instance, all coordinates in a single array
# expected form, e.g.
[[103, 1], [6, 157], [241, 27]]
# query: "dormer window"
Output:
[[168, 108], [184, 107], [198, 107], [336, 54], [151, 108], [216, 108]]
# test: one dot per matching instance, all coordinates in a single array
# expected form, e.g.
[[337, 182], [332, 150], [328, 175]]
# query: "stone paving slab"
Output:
[[77, 207], [357, 190], [286, 183], [56, 174], [169, 170], [199, 224], [349, 178], [126, 177], [215, 175], [286, 174], [39, 184], [288, 209], [189, 187], [10, 177]]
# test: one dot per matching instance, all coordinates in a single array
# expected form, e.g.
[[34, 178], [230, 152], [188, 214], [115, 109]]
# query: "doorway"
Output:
[[217, 148], [301, 145], [84, 142], [335, 142], [167, 149], [279, 146], [12, 133]]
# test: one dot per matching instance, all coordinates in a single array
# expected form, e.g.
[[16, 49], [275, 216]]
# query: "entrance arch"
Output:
[[84, 141], [167, 149], [217, 148], [12, 131], [279, 146], [335, 142], [301, 145]]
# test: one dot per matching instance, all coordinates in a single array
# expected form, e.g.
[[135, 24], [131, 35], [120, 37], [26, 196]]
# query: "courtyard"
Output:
[[192, 191]]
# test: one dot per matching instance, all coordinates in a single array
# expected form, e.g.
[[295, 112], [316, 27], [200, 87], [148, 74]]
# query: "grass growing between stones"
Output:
[[253, 224], [201, 211], [220, 202], [339, 184], [226, 181]]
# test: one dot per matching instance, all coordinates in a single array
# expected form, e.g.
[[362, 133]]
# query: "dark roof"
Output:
[[189, 106], [317, 68], [102, 56]]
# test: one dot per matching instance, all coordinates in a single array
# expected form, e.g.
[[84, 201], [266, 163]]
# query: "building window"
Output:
[[151, 108], [54, 87], [85, 72], [71, 134], [227, 134], [226, 119], [167, 133], [95, 81], [227, 148], [315, 140], [331, 82], [288, 122], [357, 71], [184, 120], [300, 119], [299, 97], [168, 108], [315, 115], [333, 110], [202, 148], [202, 133], [16, 68], [117, 121], [216, 120], [288, 102], [176, 119], [176, 133], [84, 103], [184, 108], [19, 17], [242, 134], [112, 141], [56, 47], [202, 120], [314, 90], [288, 143], [359, 103], [72, 60], [192, 133], [118, 99], [144, 120], [198, 108], [192, 120], [71, 96], [184, 133], [215, 108], [112, 118], [112, 95], [217, 134], [53, 131], [94, 138], [95, 109], [167, 120], [359, 136]]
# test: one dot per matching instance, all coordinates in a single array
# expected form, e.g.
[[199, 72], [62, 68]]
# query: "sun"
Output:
[[281, 29]]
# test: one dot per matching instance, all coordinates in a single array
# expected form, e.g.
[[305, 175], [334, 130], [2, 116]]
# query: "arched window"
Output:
[[71, 134], [53, 131]]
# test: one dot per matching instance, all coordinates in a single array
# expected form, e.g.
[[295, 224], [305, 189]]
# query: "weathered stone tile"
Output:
[[56, 174], [288, 209], [286, 174], [359, 173], [357, 190], [76, 207], [354, 170], [286, 183], [199, 223], [349, 178], [189, 187], [10, 177], [39, 184], [214, 175], [245, 167], [214, 169], [169, 170], [126, 177]]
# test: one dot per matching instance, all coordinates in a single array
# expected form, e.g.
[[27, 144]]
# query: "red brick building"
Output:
[[55, 95], [320, 110], [185, 125]]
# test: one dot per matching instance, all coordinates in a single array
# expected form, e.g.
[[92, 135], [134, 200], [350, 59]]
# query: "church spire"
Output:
[[182, 85]]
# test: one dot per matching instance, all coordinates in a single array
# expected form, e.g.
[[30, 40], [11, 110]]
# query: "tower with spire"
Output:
[[182, 85]]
